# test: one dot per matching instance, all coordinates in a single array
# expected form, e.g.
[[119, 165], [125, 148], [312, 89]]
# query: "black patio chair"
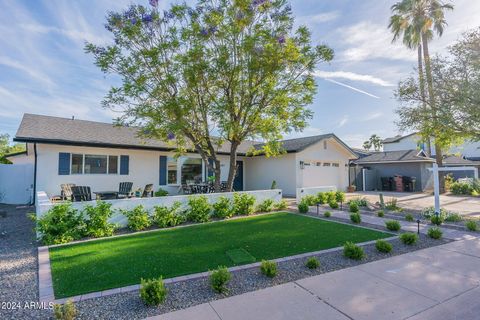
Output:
[[81, 193], [148, 191], [186, 189], [125, 189]]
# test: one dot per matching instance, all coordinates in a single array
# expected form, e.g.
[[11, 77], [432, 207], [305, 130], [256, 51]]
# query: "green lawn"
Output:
[[118, 262]]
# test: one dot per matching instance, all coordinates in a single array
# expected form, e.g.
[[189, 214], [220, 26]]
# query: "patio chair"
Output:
[[148, 191], [186, 189], [66, 193], [81, 193], [125, 189]]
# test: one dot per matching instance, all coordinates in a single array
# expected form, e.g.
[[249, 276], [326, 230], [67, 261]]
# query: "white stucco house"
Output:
[[101, 155]]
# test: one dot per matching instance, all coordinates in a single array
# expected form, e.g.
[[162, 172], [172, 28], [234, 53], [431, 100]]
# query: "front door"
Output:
[[238, 181]]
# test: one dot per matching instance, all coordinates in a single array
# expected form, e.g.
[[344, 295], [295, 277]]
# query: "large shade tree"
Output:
[[7, 148], [219, 73]]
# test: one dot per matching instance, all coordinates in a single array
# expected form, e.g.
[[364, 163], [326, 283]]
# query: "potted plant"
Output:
[[351, 188], [138, 192]]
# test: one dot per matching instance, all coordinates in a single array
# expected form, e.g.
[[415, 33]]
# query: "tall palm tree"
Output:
[[417, 21]]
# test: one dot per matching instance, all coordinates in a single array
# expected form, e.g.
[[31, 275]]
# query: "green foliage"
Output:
[[330, 196], [219, 279], [274, 185], [321, 198], [437, 220], [409, 238], [153, 291], [352, 251], [66, 311], [312, 263], [453, 217], [164, 216], [471, 225], [374, 141], [383, 246], [333, 204], [409, 217], [435, 233], [61, 224], [340, 196], [6, 148], [198, 209], [353, 207], [97, 224], [303, 206], [392, 205], [461, 188], [161, 193], [138, 218], [243, 204], [280, 205], [355, 217], [268, 268], [392, 225], [380, 213], [222, 209], [310, 199], [327, 214], [360, 202], [266, 206], [429, 212]]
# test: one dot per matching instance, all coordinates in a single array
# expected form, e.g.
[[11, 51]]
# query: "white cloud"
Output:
[[79, 36], [319, 18], [352, 76], [343, 121], [373, 116], [38, 75], [353, 88]]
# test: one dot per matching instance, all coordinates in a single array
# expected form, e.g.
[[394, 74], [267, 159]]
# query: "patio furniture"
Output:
[[408, 184], [186, 189], [81, 193], [66, 193], [387, 183], [105, 195], [148, 191], [125, 190]]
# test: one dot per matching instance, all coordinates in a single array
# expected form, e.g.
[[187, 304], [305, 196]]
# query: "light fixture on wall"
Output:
[[302, 165]]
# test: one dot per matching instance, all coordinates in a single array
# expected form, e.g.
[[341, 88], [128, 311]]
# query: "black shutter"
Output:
[[124, 165], [163, 170], [63, 163]]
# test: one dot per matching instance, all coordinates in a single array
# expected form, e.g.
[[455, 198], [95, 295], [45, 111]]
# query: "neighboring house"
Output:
[[101, 156]]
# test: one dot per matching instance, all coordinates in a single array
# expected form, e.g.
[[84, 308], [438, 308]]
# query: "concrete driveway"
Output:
[[435, 283], [417, 201]]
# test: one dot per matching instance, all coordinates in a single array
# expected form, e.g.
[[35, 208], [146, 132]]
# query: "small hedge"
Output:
[[266, 206], [97, 224], [383, 246], [355, 217], [352, 251], [435, 233], [243, 204], [199, 209], [153, 291], [311, 200], [380, 213], [219, 279], [409, 238], [303, 206], [471, 225], [280, 205], [392, 225], [222, 209], [353, 207], [409, 217], [138, 218], [436, 220], [66, 311], [327, 214], [312, 263], [268, 268], [165, 217], [333, 204]]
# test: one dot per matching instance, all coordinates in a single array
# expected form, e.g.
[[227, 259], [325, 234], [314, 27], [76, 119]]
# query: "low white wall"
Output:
[[302, 192], [43, 204]]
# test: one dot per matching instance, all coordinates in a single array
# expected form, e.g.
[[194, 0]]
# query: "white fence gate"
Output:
[[16, 183]]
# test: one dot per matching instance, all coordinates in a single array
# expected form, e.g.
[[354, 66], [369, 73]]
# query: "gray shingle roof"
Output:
[[362, 153], [457, 161], [397, 138], [395, 156]]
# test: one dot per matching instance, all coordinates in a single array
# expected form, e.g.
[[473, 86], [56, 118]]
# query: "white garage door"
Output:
[[323, 175]]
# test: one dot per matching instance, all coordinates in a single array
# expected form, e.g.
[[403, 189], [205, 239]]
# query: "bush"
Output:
[[67, 311], [461, 188], [310, 199], [303, 206], [61, 224], [219, 279], [274, 185], [435, 233], [361, 202], [352, 251], [353, 207], [380, 213], [437, 220], [330, 196], [453, 217], [392, 225], [355, 217], [340, 196], [327, 214], [408, 238], [269, 268], [199, 209], [471, 225], [280, 205], [153, 291], [312, 263], [392, 205], [168, 217], [321, 198], [97, 224], [333, 204], [243, 204], [265, 206], [409, 217], [222, 208], [161, 193], [429, 212], [138, 218], [383, 246]]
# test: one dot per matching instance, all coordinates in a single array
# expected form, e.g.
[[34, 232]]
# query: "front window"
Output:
[[95, 164], [171, 170], [77, 163], [191, 170]]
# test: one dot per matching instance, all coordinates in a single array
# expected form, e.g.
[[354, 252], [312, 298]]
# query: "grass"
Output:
[[117, 262]]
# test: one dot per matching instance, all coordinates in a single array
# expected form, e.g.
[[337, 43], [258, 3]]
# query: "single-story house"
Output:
[[101, 155]]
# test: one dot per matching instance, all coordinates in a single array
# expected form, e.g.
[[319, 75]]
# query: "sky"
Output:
[[44, 70]]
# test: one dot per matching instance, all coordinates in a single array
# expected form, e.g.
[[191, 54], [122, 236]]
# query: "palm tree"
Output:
[[417, 21]]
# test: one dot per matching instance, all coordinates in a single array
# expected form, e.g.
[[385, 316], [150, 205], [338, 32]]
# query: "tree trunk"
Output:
[[232, 170], [421, 77], [217, 174]]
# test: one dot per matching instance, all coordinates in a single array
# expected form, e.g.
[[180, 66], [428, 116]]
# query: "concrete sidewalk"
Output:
[[435, 283]]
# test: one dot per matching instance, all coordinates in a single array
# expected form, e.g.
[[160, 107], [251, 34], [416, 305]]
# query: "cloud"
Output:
[[343, 121], [79, 36], [373, 116], [31, 72], [319, 18], [353, 88], [352, 76]]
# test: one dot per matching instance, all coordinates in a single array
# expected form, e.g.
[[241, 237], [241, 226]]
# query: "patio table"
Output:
[[106, 195]]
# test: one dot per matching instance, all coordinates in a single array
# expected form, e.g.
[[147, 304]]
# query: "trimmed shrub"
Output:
[[327, 214], [392, 225], [153, 291], [168, 217], [199, 209], [409, 238], [161, 193], [310, 199], [280, 205], [436, 220], [222, 208], [61, 224], [274, 185], [383, 246], [333, 204], [340, 196], [352, 251], [138, 218], [321, 198], [380, 213], [355, 217], [265, 206], [353, 207], [361, 202], [330, 196], [429, 212], [312, 263], [219, 279], [268, 268], [66, 311], [471, 225], [435, 233], [392, 205], [461, 188], [409, 217], [303, 206], [453, 217], [97, 224], [243, 204]]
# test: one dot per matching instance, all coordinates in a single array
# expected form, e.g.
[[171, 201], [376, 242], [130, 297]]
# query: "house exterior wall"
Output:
[[407, 143]]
